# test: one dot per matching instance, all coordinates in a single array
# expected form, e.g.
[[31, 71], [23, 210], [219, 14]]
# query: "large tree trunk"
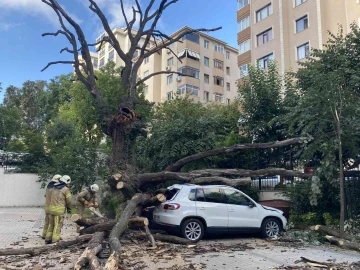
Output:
[[343, 243], [118, 158], [34, 251], [87, 222], [330, 231]]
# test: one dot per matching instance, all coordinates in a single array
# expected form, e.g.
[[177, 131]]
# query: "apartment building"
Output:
[[286, 30], [209, 66]]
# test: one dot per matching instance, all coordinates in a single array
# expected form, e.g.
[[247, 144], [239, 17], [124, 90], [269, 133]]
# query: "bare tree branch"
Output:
[[158, 73], [57, 62], [226, 150]]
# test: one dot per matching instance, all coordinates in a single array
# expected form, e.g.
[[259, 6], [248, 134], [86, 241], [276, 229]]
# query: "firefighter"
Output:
[[49, 189], [87, 198], [60, 201]]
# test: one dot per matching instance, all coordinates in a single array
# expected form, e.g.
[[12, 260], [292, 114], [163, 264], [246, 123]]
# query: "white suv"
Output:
[[192, 210]]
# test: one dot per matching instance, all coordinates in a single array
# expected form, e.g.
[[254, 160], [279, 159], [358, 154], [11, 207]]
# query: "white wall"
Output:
[[20, 189], [269, 195]]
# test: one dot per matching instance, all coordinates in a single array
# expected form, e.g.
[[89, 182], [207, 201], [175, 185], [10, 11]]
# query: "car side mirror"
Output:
[[251, 205]]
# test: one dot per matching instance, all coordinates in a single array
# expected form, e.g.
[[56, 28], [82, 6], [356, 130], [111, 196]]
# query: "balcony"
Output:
[[241, 13], [244, 58]]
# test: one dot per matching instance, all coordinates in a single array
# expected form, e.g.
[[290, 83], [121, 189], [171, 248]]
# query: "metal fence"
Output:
[[352, 195]]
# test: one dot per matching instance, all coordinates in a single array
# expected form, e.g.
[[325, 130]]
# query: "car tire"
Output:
[[271, 228], [192, 229]]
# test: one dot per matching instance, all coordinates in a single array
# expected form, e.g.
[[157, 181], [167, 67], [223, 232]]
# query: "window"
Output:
[[244, 23], [169, 79], [192, 195], [206, 44], [219, 97], [146, 73], [188, 89], [200, 197], [219, 48], [206, 96], [95, 62], [218, 64], [189, 53], [110, 47], [302, 24], [244, 46], [111, 55], [189, 71], [136, 53], [264, 61], [169, 95], [219, 81], [146, 60], [206, 78], [264, 37], [170, 61], [303, 51], [227, 70], [235, 197], [228, 102], [227, 55], [263, 13], [102, 62], [244, 70], [242, 3], [146, 89], [192, 37], [102, 53], [299, 2], [206, 61], [228, 86], [213, 195]]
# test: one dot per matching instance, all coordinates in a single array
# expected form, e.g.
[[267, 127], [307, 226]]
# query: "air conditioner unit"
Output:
[[178, 79], [168, 68]]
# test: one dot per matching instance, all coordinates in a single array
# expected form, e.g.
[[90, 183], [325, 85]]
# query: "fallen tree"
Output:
[[89, 255], [34, 251], [330, 231], [343, 243]]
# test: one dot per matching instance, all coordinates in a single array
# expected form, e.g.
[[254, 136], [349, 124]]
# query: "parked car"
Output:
[[193, 210]]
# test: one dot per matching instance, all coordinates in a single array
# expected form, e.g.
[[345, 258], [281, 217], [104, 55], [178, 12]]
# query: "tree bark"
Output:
[[138, 222], [34, 251], [341, 176], [330, 231], [171, 239], [343, 243], [226, 150], [150, 236], [89, 255], [88, 222], [109, 225], [118, 157]]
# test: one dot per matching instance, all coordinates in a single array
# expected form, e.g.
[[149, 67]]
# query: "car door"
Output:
[[210, 205], [243, 213]]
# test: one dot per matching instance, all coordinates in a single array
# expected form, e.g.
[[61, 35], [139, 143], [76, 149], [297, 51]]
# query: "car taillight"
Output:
[[171, 206]]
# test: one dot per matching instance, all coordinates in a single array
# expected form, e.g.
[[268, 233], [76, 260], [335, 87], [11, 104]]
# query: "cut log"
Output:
[[155, 201], [330, 231], [114, 180], [160, 191], [87, 222], [171, 239], [34, 251], [343, 243], [150, 236], [89, 255], [122, 223], [316, 264], [138, 222], [112, 262]]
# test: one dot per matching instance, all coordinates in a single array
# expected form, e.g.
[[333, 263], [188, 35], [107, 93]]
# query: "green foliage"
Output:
[[310, 218], [181, 127], [10, 126]]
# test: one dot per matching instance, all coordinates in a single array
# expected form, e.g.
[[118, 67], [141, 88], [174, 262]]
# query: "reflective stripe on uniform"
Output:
[[57, 209]]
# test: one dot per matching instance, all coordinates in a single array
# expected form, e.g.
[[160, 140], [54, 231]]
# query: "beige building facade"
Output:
[[286, 30], [209, 66]]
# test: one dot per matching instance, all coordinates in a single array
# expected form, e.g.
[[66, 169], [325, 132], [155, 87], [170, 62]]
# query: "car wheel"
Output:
[[192, 229], [270, 228]]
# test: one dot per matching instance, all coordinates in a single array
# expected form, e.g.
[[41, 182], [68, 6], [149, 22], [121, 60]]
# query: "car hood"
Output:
[[272, 209]]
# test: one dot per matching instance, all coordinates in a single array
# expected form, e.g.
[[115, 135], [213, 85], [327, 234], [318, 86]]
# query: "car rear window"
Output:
[[170, 193]]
